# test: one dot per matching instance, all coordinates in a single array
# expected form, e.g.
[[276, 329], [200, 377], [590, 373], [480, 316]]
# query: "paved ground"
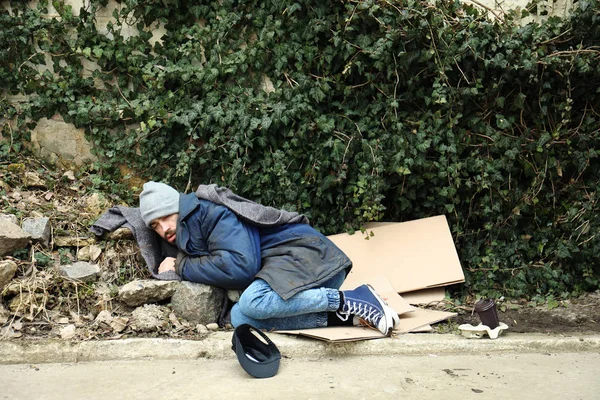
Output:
[[507, 376], [441, 367], [218, 346]]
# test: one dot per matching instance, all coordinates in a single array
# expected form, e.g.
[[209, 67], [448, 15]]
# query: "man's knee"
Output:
[[256, 305]]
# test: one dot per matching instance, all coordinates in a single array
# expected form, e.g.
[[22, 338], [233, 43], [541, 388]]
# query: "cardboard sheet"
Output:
[[412, 255], [384, 289], [421, 318], [412, 319], [423, 329], [425, 296], [416, 258], [337, 333], [417, 321]]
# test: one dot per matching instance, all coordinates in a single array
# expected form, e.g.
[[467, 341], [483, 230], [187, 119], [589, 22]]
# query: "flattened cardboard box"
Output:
[[422, 296], [418, 257], [412, 255], [412, 319], [415, 321], [425, 296]]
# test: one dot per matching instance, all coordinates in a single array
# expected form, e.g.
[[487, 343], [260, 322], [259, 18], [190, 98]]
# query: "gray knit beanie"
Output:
[[158, 200]]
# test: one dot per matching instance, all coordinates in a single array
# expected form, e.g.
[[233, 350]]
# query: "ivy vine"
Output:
[[375, 110]]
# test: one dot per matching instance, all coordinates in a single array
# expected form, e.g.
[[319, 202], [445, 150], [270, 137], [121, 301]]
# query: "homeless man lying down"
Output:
[[290, 274]]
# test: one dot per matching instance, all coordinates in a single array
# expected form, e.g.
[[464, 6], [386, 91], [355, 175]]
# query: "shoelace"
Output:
[[361, 310]]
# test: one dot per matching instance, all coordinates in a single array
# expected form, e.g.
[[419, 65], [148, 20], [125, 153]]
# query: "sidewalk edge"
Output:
[[218, 346]]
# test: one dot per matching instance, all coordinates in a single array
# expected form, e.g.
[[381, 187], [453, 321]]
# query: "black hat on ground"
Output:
[[259, 358]]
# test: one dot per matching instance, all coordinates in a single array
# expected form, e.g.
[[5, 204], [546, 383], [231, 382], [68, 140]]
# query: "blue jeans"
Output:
[[261, 307]]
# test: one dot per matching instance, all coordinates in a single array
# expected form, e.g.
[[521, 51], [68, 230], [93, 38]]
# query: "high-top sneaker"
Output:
[[364, 303]]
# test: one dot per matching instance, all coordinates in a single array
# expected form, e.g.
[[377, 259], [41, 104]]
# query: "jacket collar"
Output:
[[187, 204]]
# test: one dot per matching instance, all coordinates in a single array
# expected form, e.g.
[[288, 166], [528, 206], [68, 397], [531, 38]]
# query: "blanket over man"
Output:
[[154, 250]]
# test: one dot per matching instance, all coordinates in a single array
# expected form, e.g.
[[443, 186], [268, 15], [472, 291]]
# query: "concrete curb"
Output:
[[218, 346]]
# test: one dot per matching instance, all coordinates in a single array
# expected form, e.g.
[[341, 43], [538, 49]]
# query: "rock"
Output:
[[16, 195], [96, 204], [103, 318], [12, 237], [202, 329], [35, 284], [5, 186], [8, 332], [149, 317], [8, 269], [197, 303], [120, 234], [70, 175], [26, 302], [81, 270], [141, 292], [39, 229], [118, 324], [73, 241], [11, 290], [213, 327], [61, 142], [32, 179], [4, 314], [10, 218], [234, 295], [89, 253], [67, 332]]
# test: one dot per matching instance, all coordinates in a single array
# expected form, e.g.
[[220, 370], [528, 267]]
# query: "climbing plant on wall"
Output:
[[347, 111]]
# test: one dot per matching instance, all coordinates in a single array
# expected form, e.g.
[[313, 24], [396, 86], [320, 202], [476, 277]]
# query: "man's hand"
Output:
[[168, 264]]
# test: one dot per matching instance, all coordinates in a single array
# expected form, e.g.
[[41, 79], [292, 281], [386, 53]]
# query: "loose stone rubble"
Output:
[[38, 229], [81, 271], [98, 303], [141, 292], [12, 237]]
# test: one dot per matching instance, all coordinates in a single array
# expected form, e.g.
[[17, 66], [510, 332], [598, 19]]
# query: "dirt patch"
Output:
[[578, 315]]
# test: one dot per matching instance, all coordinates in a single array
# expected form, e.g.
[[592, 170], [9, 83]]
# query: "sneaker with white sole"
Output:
[[364, 303]]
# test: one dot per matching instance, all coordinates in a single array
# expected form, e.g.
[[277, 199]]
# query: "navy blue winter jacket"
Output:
[[220, 249]]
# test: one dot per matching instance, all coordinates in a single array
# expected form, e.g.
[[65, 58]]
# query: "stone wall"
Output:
[[53, 139], [60, 142]]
